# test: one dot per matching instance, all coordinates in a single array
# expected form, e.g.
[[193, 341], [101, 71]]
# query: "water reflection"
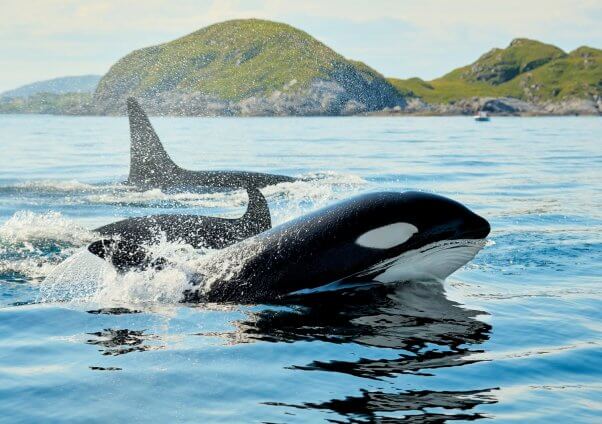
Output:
[[427, 331], [114, 311], [417, 319], [368, 407], [408, 317], [116, 342]]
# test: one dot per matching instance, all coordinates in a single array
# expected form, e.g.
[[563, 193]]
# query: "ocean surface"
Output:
[[514, 336]]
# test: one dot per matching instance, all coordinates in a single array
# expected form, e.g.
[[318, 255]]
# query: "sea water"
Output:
[[515, 335]]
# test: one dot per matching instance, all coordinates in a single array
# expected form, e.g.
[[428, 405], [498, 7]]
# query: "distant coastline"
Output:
[[261, 68]]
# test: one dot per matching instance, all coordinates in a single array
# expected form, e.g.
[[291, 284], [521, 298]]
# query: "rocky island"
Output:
[[255, 67], [527, 77]]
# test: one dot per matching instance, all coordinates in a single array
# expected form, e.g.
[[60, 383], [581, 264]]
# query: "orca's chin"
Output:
[[432, 262]]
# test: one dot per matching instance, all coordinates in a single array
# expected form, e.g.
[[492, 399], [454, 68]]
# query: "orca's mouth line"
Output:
[[454, 254], [450, 244], [472, 246]]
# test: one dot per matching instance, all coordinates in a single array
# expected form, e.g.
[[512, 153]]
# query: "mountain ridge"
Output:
[[61, 85], [526, 70], [250, 67], [245, 67]]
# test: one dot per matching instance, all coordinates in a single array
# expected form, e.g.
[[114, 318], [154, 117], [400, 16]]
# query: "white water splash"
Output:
[[27, 227], [35, 269], [121, 197], [76, 278], [65, 186], [315, 188], [32, 244], [86, 278]]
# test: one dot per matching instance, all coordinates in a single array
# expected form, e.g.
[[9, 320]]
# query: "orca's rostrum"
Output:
[[380, 237]]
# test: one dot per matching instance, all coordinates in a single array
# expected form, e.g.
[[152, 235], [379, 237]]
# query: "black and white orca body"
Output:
[[195, 230], [377, 237], [151, 167]]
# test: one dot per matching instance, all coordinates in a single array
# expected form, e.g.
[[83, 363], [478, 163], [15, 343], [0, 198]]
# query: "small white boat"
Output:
[[481, 116]]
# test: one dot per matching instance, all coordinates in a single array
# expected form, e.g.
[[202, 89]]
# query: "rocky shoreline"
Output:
[[322, 97], [504, 106], [321, 100]]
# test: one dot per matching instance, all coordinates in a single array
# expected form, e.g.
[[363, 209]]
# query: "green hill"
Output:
[[259, 65], [526, 70], [501, 65], [62, 85]]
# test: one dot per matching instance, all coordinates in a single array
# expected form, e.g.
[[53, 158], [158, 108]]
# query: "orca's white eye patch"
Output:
[[387, 236]]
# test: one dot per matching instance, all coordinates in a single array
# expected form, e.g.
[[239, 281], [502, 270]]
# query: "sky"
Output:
[[42, 39]]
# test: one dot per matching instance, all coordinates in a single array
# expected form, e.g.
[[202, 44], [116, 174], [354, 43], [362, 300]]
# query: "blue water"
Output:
[[514, 336]]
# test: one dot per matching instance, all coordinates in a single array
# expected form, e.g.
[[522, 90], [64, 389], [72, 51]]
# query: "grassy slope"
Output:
[[223, 60], [526, 69], [445, 91], [578, 74], [501, 65]]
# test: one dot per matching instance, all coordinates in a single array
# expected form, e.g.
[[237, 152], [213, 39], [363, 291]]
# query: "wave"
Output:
[[27, 227], [85, 278], [313, 187], [310, 190], [31, 244], [61, 186]]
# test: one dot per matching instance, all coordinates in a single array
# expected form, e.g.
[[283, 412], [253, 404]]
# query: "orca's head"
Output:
[[414, 218], [124, 255], [415, 235]]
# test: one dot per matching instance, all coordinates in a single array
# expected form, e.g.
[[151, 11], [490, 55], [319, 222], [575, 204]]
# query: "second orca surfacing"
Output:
[[195, 230], [381, 237], [151, 167], [125, 250]]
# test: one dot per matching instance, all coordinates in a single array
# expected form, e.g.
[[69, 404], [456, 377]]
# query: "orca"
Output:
[[151, 167], [195, 230], [125, 255], [382, 237]]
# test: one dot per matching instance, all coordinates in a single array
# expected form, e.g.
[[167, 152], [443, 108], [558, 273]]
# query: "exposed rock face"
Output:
[[574, 107], [320, 98], [245, 67], [507, 106], [512, 106]]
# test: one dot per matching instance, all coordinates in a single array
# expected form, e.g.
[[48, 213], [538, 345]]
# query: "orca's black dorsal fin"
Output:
[[150, 164], [258, 210]]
